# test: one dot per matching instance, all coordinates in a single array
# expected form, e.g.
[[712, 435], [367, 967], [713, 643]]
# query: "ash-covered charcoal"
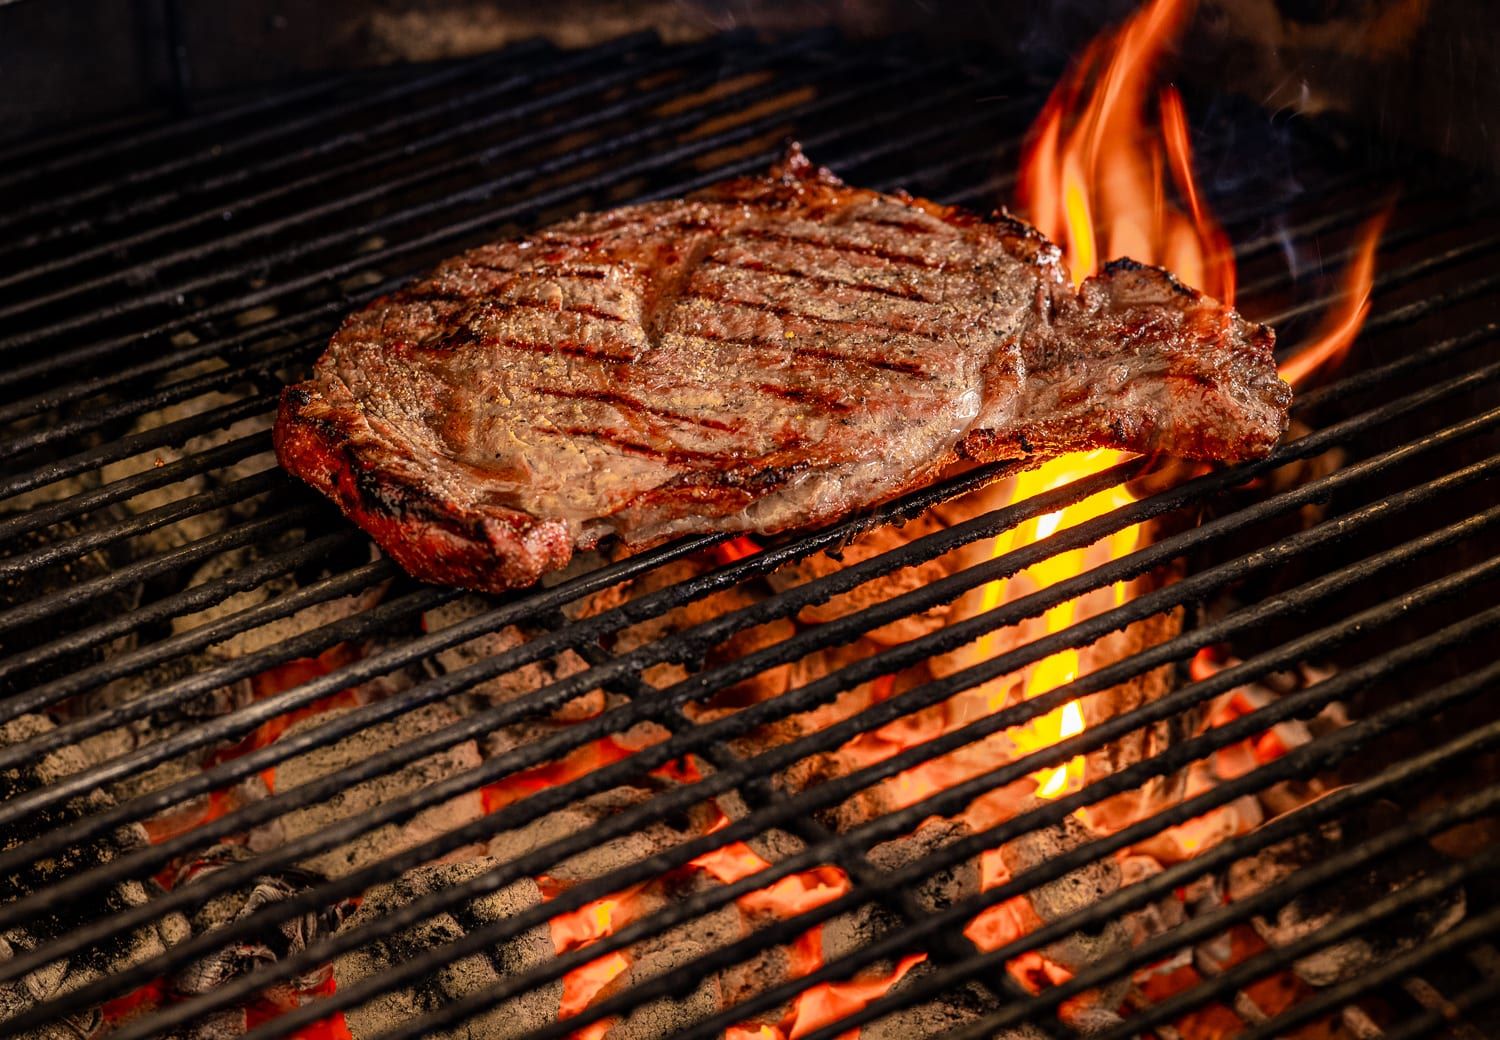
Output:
[[241, 644], [1315, 909], [1076, 890], [272, 944], [956, 1007], [710, 931], [37, 582], [516, 683], [1121, 810], [347, 801], [113, 955], [942, 889], [697, 998], [855, 929], [198, 525], [514, 1018], [677, 619], [885, 587], [581, 817]]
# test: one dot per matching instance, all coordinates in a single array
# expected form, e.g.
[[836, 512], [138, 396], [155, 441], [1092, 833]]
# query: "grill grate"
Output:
[[168, 298]]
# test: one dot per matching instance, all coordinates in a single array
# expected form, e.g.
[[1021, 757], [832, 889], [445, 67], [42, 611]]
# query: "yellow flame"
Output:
[[1062, 667], [1064, 778]]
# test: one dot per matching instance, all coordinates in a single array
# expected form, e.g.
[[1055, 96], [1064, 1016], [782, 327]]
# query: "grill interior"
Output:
[[170, 597]]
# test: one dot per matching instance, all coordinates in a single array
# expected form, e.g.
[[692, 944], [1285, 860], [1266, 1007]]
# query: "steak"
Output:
[[775, 352]]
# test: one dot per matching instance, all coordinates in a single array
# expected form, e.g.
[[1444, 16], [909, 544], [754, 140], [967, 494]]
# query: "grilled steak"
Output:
[[772, 353]]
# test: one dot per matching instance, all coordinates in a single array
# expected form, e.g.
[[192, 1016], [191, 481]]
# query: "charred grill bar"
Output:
[[159, 288]]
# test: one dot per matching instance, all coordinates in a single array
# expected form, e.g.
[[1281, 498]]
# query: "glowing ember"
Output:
[[1343, 321], [832, 1001], [596, 755], [737, 548], [577, 929], [821, 1004]]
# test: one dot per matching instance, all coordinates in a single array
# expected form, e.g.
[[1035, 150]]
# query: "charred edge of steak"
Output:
[[424, 535]]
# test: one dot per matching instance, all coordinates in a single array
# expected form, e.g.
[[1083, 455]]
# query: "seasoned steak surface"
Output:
[[772, 353]]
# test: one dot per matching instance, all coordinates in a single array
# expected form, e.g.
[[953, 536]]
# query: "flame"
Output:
[[1092, 177], [1347, 316], [1062, 667], [1094, 173]]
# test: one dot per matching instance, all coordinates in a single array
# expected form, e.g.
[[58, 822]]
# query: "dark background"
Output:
[[1419, 72]]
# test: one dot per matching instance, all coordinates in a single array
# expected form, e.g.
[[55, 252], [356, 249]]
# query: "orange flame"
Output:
[[1092, 176], [1347, 316], [1094, 173]]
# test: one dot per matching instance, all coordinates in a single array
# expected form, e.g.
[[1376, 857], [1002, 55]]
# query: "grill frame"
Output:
[[264, 356]]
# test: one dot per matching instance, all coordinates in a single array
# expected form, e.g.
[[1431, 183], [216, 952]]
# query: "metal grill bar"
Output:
[[129, 445], [851, 860], [1393, 279], [269, 135], [196, 598], [1297, 763], [550, 197], [216, 380], [308, 325], [260, 370], [302, 333], [176, 559], [1011, 666], [72, 548], [128, 487], [1470, 999], [419, 117], [784, 931], [1261, 965], [1304, 448], [54, 396], [1316, 444], [546, 169], [670, 61], [258, 106]]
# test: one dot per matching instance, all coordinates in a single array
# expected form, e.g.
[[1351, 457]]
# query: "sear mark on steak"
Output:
[[772, 353]]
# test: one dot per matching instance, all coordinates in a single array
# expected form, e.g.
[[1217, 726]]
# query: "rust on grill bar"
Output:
[[1109, 748]]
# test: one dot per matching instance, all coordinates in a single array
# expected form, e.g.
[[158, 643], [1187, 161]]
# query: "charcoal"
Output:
[[514, 1018], [877, 590], [112, 955], [202, 524], [711, 931], [353, 800], [308, 619], [855, 929], [1351, 893], [665, 1016], [752, 977], [948, 886], [518, 682], [958, 1006], [271, 944], [1075, 890], [655, 837]]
